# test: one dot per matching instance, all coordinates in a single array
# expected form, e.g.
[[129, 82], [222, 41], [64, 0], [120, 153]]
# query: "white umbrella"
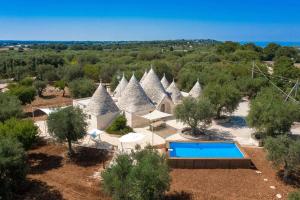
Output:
[[131, 138]]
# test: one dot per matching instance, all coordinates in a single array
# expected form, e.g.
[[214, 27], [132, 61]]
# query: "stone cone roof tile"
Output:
[[175, 93], [143, 77], [134, 98], [165, 82], [153, 87], [196, 90], [101, 102], [121, 87]]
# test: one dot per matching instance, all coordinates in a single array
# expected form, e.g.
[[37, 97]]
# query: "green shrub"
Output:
[[294, 195], [10, 106], [13, 167], [26, 81], [26, 94], [23, 130], [119, 126]]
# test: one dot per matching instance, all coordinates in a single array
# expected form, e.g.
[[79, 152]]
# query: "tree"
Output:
[[72, 72], [61, 84], [284, 67], [26, 94], [23, 130], [40, 87], [195, 113], [284, 151], [13, 167], [10, 106], [92, 71], [270, 50], [225, 98], [227, 47], [81, 88], [67, 124], [290, 52], [140, 175], [270, 114]]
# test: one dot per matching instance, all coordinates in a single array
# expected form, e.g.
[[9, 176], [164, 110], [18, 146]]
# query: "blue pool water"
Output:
[[204, 150]]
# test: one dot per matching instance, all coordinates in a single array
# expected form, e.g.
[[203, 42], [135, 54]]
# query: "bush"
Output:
[[26, 94], [10, 106], [26, 81], [294, 195], [140, 175], [119, 126], [81, 88], [23, 130], [13, 167]]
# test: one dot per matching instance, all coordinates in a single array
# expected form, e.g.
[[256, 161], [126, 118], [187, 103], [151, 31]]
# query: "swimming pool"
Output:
[[204, 150], [207, 154]]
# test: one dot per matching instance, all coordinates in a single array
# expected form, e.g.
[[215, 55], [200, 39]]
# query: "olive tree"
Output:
[[13, 167], [140, 175], [10, 106], [40, 86], [196, 113], [270, 114], [284, 151], [225, 98], [81, 88], [67, 124]]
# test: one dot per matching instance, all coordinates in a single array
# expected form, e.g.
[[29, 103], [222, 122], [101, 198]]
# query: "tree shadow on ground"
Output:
[[48, 97], [294, 179], [234, 122], [215, 134], [178, 196], [40, 162], [38, 190], [90, 156]]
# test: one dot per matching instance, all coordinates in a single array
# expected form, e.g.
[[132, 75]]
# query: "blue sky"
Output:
[[240, 20]]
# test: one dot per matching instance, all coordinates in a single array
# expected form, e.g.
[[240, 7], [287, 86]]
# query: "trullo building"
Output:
[[156, 92], [101, 109], [135, 103]]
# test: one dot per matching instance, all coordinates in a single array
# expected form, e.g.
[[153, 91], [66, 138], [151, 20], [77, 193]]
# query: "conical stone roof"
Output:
[[165, 82], [143, 77], [153, 87], [196, 90], [175, 93], [101, 102], [121, 87], [134, 98]]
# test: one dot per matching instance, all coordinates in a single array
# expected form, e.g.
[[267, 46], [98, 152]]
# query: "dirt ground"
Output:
[[53, 177], [51, 98]]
